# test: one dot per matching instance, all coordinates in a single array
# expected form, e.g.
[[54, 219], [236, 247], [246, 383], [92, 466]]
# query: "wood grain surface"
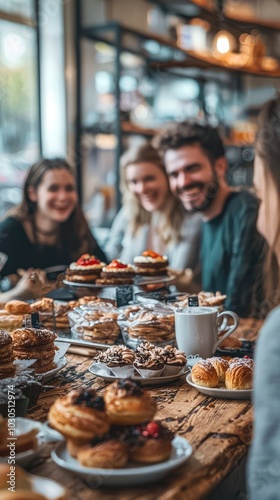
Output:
[[219, 431]]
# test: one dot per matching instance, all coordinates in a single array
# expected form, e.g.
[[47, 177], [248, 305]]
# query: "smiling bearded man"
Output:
[[195, 163]]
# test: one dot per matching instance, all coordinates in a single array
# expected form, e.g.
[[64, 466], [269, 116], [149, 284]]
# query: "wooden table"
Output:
[[219, 431]]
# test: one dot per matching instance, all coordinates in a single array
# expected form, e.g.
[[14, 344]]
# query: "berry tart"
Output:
[[117, 273]]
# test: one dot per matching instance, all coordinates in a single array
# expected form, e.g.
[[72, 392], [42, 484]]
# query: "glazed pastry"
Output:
[[239, 376], [151, 263], [126, 403], [117, 273], [17, 307], [86, 270], [204, 374], [80, 417], [221, 366], [150, 443], [7, 368], [111, 454]]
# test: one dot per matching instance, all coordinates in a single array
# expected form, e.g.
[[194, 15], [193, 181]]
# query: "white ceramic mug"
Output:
[[197, 328]]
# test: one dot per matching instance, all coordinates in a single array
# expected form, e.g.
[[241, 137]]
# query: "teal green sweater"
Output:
[[231, 252]]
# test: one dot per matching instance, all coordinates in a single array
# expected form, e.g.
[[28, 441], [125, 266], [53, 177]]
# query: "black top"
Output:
[[24, 254], [232, 251]]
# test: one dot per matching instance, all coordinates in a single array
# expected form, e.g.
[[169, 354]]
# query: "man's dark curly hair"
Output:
[[175, 135]]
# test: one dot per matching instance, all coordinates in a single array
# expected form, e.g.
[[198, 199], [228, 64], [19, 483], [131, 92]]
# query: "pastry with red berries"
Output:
[[86, 270], [149, 443], [117, 273], [151, 263]]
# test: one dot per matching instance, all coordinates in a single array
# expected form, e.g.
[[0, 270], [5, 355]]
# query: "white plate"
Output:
[[47, 376], [109, 377], [82, 343], [182, 450], [138, 281], [23, 425], [220, 392]]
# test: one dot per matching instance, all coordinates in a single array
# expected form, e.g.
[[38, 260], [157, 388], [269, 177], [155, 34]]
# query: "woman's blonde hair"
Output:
[[169, 220], [268, 148]]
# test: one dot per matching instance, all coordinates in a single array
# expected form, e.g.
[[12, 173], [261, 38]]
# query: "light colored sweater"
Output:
[[182, 254]]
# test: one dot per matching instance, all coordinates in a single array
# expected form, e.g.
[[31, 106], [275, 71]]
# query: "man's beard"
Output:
[[210, 190]]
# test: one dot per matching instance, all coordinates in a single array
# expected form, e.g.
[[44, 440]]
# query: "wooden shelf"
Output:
[[244, 20]]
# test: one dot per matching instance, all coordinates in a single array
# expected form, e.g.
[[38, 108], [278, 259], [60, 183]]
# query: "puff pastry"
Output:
[[221, 366], [112, 454], [204, 374], [239, 376], [79, 416], [126, 403]]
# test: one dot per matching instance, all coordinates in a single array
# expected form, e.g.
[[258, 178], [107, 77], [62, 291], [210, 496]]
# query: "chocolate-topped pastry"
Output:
[[127, 403], [79, 416], [149, 442], [149, 360], [151, 263], [7, 368], [117, 273], [175, 360], [119, 359], [35, 343], [86, 270]]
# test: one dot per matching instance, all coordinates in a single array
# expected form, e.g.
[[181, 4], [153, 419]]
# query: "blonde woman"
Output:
[[151, 217]]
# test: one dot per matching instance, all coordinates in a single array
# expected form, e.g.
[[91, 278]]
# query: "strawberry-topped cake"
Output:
[[151, 263], [86, 270], [117, 273]]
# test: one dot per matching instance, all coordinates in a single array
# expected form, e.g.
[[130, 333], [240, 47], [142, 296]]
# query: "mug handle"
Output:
[[230, 330]]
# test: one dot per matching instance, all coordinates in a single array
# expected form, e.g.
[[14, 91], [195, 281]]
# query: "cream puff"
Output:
[[126, 403]]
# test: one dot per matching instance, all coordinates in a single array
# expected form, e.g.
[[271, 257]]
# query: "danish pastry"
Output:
[[204, 374], [154, 443], [110, 454], [239, 376], [221, 365], [126, 403]]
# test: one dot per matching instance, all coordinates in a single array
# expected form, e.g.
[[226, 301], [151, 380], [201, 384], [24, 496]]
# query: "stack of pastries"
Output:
[[7, 367], [151, 264], [86, 270], [236, 374], [105, 432], [35, 343]]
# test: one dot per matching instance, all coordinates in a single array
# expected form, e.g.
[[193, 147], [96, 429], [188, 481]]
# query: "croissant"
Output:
[[239, 376], [204, 374]]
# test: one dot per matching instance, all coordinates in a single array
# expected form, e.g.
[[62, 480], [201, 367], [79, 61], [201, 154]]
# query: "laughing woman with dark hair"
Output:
[[47, 229]]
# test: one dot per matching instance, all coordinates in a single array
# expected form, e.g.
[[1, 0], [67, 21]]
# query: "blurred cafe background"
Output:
[[86, 79]]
